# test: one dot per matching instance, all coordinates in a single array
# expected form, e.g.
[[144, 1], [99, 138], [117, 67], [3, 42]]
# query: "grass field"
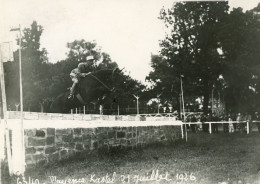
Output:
[[217, 158]]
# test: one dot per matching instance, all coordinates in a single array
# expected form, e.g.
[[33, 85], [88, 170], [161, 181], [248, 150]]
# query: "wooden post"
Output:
[[182, 134], [2, 81], [247, 127], [183, 108], [76, 110], [71, 111], [210, 129], [84, 109]]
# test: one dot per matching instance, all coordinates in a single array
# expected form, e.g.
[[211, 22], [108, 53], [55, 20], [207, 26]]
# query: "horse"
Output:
[[99, 88]]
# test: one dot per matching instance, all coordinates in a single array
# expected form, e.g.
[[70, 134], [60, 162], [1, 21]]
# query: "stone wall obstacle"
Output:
[[49, 138]]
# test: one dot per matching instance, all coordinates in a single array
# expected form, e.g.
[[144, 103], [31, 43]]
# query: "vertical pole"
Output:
[[71, 111], [137, 104], [212, 99], [2, 81], [210, 128], [182, 134], [183, 108], [84, 109], [21, 100], [247, 127], [118, 110], [76, 110], [180, 107]]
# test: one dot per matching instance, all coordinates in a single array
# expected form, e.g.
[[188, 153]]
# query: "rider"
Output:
[[77, 73]]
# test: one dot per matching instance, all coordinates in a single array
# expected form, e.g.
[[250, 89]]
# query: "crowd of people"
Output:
[[231, 122]]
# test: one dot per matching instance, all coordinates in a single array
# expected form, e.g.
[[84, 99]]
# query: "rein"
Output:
[[101, 82]]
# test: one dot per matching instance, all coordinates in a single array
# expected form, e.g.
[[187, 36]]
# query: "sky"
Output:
[[128, 30]]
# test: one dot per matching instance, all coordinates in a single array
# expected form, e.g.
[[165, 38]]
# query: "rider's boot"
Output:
[[72, 89]]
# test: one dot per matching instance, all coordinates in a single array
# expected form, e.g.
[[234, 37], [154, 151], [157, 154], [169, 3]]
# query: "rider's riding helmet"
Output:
[[90, 58]]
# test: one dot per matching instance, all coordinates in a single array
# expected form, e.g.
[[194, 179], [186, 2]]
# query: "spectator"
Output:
[[205, 127], [193, 120], [225, 125], [230, 125], [214, 125], [241, 122], [256, 118], [248, 119]]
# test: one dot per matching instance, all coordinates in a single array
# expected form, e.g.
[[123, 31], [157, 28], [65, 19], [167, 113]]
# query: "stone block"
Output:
[[39, 149], [63, 131], [123, 142], [30, 150], [50, 150], [95, 144], [59, 144], [36, 141], [50, 131], [134, 134], [29, 160], [79, 146], [111, 142], [58, 138], [78, 139], [129, 135], [67, 138], [133, 141], [50, 140], [121, 134], [102, 136], [88, 131], [39, 157], [87, 146], [101, 143], [77, 131], [71, 145], [41, 163], [63, 154], [86, 137], [53, 157], [117, 142], [112, 134], [30, 133], [40, 133]]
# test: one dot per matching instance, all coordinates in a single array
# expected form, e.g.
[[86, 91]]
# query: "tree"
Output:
[[240, 42], [191, 48], [34, 70]]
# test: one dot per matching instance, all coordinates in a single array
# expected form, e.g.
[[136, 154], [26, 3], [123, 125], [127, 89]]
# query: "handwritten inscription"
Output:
[[153, 176]]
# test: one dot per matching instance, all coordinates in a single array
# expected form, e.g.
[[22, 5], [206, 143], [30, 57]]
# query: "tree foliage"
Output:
[[44, 81], [215, 50]]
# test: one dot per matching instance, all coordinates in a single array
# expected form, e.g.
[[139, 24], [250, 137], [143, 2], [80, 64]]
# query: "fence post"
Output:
[[71, 111], [76, 110], [210, 129], [182, 134], [247, 127], [84, 109]]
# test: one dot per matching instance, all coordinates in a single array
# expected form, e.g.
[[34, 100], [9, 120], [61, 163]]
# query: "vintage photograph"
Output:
[[129, 91]]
